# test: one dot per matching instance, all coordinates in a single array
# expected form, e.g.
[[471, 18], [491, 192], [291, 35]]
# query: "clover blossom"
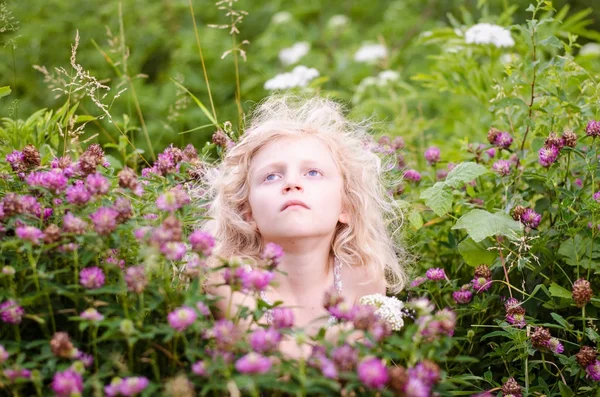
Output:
[[181, 318], [373, 373]]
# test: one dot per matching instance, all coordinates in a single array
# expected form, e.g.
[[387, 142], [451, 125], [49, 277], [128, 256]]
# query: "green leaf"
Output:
[[551, 41], [559, 292], [463, 173], [4, 91], [415, 219], [574, 250], [593, 335], [84, 117], [199, 103], [474, 253], [481, 224], [560, 319], [565, 391], [438, 198], [114, 162]]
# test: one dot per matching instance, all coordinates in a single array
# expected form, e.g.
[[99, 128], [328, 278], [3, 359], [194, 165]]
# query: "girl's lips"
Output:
[[293, 203]]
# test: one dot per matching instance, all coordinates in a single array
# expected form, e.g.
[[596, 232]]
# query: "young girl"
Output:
[[302, 176]]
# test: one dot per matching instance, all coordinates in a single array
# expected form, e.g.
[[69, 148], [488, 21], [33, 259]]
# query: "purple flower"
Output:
[[517, 319], [172, 200], [203, 309], [491, 152], [97, 184], [343, 311], [530, 218], [86, 359], [272, 253], [202, 242], [548, 155], [54, 181], [105, 220], [3, 355], [283, 317], [133, 385], [436, 274], [11, 312], [463, 295], [91, 277], [225, 333], [597, 196], [432, 155], [13, 374], [31, 205], [555, 346], [199, 368], [29, 233], [412, 175], [345, 357], [427, 371], [173, 250], [328, 368], [416, 387], [91, 314], [135, 278], [503, 140], [72, 224], [502, 167], [481, 284], [593, 370], [256, 279], [593, 128], [181, 318], [418, 281], [67, 383], [16, 159], [372, 372], [77, 194], [253, 363], [264, 340]]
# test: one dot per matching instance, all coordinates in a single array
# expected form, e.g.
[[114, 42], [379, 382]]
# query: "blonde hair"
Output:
[[365, 240]]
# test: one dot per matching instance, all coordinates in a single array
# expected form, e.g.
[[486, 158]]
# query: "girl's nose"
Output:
[[292, 184]]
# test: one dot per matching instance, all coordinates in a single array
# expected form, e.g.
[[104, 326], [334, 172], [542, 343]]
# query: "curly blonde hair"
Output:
[[365, 240]]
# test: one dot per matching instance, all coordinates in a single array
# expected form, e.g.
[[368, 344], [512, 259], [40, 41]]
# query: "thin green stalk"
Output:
[[238, 91], [212, 105], [134, 96]]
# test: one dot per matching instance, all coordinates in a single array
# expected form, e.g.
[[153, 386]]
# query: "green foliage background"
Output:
[[162, 46]]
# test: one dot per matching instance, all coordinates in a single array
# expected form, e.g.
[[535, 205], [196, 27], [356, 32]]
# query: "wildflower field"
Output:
[[112, 111]]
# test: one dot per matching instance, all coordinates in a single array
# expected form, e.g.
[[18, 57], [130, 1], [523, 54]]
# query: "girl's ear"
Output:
[[344, 217]]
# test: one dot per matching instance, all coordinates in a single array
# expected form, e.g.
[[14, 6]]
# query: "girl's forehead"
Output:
[[293, 149]]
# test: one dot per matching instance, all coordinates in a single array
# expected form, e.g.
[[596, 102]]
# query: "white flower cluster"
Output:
[[281, 17], [590, 49], [291, 55], [370, 53], [389, 309], [486, 33], [299, 77], [337, 21]]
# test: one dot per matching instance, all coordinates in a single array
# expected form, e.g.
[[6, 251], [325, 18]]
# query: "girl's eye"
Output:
[[271, 177], [314, 173]]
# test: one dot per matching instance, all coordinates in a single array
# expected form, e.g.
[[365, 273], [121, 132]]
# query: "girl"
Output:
[[302, 177]]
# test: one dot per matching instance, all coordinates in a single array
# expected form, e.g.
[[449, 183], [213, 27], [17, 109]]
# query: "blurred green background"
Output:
[[154, 42]]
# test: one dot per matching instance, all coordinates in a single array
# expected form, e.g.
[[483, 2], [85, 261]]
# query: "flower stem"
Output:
[[504, 267]]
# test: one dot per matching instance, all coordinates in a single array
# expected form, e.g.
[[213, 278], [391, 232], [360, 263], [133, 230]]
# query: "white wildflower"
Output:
[[387, 76], [281, 17], [505, 59], [337, 21], [370, 53], [486, 33], [421, 305], [291, 55], [299, 77], [590, 49], [389, 308]]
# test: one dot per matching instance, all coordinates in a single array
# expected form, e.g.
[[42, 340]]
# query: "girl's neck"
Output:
[[307, 266]]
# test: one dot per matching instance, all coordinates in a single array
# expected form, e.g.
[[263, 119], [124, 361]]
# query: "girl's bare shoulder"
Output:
[[358, 282]]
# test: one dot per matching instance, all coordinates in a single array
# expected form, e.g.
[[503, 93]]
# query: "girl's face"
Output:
[[295, 190]]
